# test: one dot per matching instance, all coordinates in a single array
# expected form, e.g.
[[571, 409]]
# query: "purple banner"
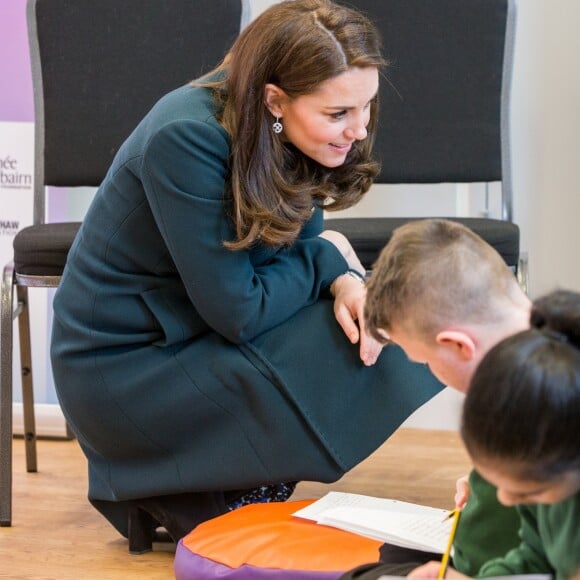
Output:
[[16, 103]]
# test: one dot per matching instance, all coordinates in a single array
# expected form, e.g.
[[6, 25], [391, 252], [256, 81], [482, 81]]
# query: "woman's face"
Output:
[[325, 124], [514, 490]]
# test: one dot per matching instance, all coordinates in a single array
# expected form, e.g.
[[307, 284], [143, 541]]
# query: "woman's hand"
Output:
[[431, 570], [349, 301], [461, 492]]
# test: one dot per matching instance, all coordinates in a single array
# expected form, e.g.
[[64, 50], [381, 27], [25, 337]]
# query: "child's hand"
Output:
[[461, 492], [431, 570]]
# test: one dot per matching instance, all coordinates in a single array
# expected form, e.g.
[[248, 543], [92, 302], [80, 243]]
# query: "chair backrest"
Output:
[[444, 99], [99, 65]]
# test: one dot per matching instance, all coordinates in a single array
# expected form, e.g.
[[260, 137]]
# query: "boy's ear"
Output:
[[459, 341], [273, 98]]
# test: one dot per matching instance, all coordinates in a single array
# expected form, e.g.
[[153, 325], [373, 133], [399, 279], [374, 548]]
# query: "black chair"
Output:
[[444, 104], [97, 68]]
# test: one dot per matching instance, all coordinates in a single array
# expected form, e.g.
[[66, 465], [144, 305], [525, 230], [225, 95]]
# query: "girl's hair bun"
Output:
[[557, 316]]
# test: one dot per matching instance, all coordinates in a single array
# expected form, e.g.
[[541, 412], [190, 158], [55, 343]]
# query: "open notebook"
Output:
[[391, 521]]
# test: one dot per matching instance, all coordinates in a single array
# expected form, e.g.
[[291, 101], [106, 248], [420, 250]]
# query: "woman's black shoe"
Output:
[[178, 514], [143, 531]]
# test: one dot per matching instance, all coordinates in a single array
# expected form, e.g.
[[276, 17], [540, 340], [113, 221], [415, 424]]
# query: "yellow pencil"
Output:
[[445, 560]]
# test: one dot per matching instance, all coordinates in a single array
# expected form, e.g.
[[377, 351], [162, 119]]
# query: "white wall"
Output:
[[546, 140]]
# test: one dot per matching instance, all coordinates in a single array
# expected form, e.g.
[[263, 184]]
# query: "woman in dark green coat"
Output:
[[205, 343]]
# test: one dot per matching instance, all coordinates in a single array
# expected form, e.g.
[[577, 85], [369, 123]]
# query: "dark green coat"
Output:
[[184, 366]]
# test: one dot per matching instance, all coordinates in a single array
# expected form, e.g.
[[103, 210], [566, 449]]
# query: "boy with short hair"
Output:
[[446, 298]]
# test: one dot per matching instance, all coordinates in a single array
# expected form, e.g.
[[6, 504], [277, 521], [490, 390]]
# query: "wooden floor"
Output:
[[56, 534]]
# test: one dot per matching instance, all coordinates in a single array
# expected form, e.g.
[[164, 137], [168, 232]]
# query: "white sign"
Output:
[[16, 182]]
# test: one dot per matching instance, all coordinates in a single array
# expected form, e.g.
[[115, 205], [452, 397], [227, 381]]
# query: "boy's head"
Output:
[[445, 296]]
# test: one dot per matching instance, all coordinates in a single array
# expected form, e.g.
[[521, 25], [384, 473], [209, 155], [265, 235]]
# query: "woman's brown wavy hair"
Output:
[[296, 45]]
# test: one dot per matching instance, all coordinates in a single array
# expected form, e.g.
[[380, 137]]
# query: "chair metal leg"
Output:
[[6, 321], [27, 384], [523, 273]]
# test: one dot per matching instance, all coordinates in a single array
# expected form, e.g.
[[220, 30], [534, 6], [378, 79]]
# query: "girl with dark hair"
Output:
[[521, 428], [199, 347]]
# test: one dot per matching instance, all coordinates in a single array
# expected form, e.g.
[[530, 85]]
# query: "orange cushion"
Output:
[[267, 536]]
